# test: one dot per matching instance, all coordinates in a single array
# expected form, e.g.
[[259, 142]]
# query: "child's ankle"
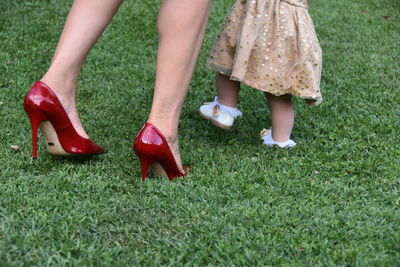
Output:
[[266, 136], [280, 138], [226, 103]]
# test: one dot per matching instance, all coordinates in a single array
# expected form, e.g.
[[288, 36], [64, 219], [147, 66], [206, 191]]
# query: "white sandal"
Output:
[[221, 115], [266, 136]]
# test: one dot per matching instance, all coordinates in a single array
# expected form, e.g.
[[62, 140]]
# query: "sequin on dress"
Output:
[[270, 45]]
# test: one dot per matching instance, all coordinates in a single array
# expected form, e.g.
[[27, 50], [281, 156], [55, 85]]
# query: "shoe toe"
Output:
[[206, 110], [98, 149]]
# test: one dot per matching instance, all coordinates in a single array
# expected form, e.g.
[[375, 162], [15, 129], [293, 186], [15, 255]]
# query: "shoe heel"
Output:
[[145, 162], [152, 147], [36, 117], [42, 104]]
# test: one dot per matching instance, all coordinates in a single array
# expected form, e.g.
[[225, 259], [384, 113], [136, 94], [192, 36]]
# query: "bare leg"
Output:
[[282, 116], [181, 26], [85, 23], [227, 90]]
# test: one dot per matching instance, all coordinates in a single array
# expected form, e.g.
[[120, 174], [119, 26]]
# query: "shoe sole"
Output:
[[215, 122], [157, 171], [53, 145]]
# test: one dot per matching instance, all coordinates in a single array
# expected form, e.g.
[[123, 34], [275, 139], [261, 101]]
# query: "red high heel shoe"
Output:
[[151, 148], [45, 110]]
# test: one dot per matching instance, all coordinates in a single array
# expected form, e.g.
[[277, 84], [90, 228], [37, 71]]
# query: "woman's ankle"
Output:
[[167, 129], [63, 85]]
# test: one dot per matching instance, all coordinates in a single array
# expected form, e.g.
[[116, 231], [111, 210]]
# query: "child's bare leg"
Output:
[[282, 116], [227, 90]]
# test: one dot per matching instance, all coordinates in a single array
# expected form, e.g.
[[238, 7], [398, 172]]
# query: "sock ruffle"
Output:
[[235, 112], [266, 136]]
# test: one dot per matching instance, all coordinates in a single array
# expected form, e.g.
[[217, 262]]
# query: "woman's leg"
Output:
[[227, 90], [85, 23], [282, 116], [181, 26]]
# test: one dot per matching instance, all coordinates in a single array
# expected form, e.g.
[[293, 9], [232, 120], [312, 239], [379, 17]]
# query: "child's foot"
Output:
[[266, 136], [221, 115]]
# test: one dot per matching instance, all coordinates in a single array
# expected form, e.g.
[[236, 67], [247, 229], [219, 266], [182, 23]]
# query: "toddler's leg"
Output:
[[282, 116], [223, 111], [227, 90]]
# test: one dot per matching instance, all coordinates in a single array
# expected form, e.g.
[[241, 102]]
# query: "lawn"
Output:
[[333, 200]]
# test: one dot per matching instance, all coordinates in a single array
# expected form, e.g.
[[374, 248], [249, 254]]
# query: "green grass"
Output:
[[333, 200]]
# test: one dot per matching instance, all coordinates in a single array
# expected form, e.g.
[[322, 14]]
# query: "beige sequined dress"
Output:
[[270, 45]]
